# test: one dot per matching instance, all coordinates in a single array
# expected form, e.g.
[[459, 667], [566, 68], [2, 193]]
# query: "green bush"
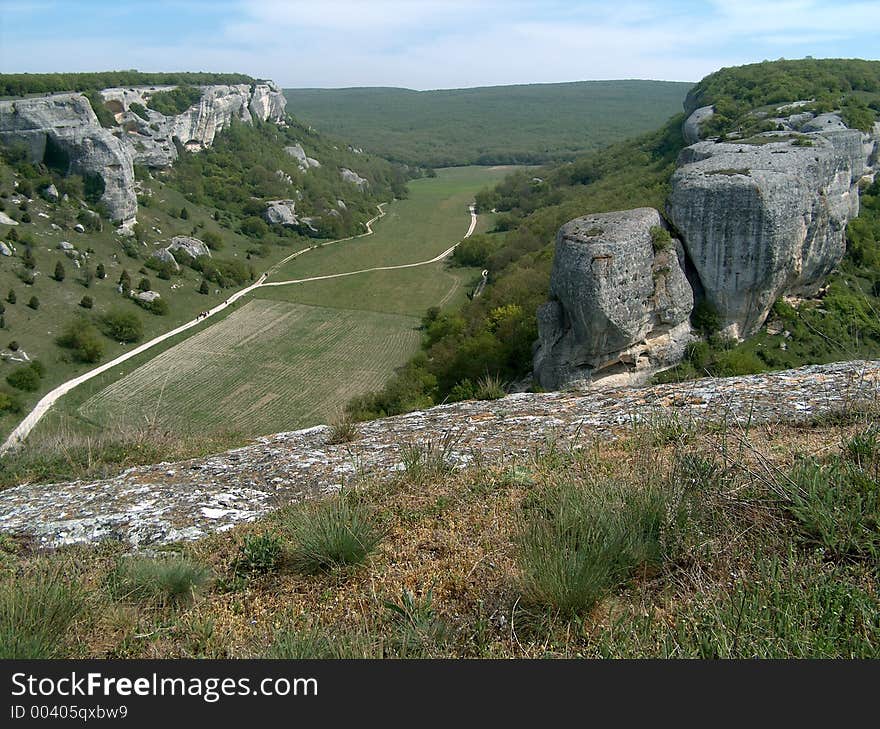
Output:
[[164, 582], [123, 326], [86, 302], [660, 238], [81, 337], [26, 377], [36, 613], [331, 533], [9, 403]]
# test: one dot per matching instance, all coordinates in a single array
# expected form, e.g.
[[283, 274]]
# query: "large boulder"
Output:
[[63, 129], [691, 129], [619, 301], [303, 160], [281, 212], [765, 217], [193, 247], [353, 177]]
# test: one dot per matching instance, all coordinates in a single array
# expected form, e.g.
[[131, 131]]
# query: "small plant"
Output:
[[10, 297], [34, 303], [164, 582], [863, 447], [290, 642], [429, 459], [661, 240], [258, 554], [35, 615], [342, 430], [490, 387], [330, 534], [418, 627]]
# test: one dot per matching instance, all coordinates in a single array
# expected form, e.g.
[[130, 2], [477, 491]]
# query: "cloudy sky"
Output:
[[425, 44]]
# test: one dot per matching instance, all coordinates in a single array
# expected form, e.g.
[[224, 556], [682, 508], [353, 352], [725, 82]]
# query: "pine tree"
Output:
[[59, 271], [204, 289], [10, 297], [144, 284], [125, 281], [34, 303], [100, 271]]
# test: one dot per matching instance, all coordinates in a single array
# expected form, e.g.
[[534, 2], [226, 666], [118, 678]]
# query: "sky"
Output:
[[427, 44]]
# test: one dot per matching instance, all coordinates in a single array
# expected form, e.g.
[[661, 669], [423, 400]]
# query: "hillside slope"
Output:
[[524, 124]]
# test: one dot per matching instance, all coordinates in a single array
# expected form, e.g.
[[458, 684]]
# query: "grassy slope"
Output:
[[427, 215], [497, 124], [744, 570]]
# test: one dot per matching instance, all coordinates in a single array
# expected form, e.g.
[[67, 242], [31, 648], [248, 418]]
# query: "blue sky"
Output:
[[429, 43]]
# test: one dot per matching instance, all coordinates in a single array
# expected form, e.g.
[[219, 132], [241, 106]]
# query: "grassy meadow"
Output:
[[311, 347]]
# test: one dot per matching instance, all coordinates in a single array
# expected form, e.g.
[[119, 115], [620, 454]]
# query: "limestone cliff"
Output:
[[766, 216], [619, 300], [63, 129]]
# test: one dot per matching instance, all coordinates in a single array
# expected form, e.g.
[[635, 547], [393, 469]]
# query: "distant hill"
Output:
[[525, 124]]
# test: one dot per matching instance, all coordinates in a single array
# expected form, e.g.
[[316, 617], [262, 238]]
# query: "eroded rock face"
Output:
[[617, 306], [304, 161], [760, 220], [281, 212], [64, 129], [193, 247], [353, 177]]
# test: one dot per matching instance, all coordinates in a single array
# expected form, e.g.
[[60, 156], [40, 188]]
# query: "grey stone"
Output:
[[353, 177], [281, 212], [79, 228], [304, 161], [763, 220], [50, 193], [6, 220], [5, 250], [148, 296], [165, 256], [616, 306], [193, 247], [66, 121], [690, 130]]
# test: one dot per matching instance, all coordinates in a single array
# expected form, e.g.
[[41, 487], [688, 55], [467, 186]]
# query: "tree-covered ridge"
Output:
[[248, 165], [21, 84], [852, 85], [521, 124]]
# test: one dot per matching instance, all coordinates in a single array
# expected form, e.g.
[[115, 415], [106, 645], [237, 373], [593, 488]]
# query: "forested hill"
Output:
[[523, 124], [23, 84]]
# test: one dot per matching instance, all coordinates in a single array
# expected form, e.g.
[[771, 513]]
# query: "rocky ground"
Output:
[[168, 502]]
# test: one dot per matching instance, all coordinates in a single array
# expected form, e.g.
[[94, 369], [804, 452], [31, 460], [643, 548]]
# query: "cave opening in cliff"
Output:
[[55, 157]]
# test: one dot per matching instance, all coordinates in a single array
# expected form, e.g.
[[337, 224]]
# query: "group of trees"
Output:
[[21, 84]]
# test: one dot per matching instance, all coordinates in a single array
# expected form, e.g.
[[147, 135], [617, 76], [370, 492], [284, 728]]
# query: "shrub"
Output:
[[332, 533], [213, 240], [86, 302], [489, 387], [342, 430], [100, 271], [59, 271], [123, 326], [82, 337], [25, 377], [9, 403], [204, 288], [660, 238], [10, 297], [13, 346], [35, 615], [706, 318], [144, 284], [169, 582]]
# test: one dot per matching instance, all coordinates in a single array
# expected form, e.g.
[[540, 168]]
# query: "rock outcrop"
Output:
[[765, 217], [63, 130], [168, 502], [281, 212], [303, 160], [353, 177], [619, 301], [758, 218]]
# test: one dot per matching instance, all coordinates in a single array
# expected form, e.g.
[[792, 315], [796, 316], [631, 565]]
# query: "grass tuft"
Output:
[[161, 582], [333, 533], [35, 615]]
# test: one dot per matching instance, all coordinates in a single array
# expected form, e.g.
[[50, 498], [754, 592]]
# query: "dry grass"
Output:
[[445, 578]]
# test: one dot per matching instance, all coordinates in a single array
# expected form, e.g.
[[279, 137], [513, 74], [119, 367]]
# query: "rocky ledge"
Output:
[[169, 502]]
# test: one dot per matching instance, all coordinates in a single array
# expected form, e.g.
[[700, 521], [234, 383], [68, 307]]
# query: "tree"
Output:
[[10, 297], [25, 378], [123, 326], [28, 259], [81, 337], [13, 346], [59, 271], [86, 302], [100, 271], [144, 284], [125, 281], [184, 214], [34, 303], [213, 240], [204, 288]]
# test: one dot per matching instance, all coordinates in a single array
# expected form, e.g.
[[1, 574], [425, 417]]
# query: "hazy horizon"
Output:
[[429, 45]]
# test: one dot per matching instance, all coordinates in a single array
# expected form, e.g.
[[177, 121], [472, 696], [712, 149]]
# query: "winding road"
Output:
[[23, 429]]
